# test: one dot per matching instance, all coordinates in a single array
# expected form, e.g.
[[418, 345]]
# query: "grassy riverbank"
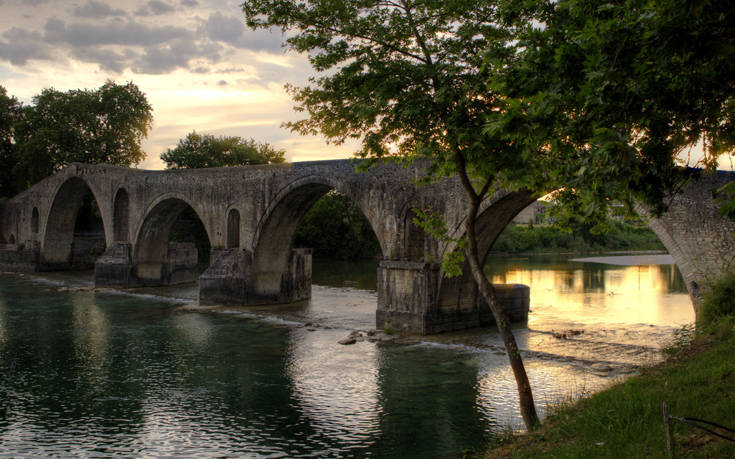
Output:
[[697, 380]]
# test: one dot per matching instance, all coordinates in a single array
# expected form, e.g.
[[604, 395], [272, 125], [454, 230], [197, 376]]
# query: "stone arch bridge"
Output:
[[250, 215]]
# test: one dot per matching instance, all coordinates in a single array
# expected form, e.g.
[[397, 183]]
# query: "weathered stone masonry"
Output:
[[251, 213]]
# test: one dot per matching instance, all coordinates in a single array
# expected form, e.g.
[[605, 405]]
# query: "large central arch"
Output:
[[276, 267]]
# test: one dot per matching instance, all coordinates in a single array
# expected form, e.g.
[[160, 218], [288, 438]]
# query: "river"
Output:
[[100, 373]]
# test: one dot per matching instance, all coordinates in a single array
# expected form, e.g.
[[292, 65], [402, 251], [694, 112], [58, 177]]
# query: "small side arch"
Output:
[[11, 239], [414, 236], [34, 221], [121, 216], [233, 229]]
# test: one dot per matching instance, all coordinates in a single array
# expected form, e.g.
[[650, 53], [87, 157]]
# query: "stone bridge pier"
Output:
[[250, 215]]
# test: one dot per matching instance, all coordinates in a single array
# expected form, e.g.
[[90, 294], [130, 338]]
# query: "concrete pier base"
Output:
[[114, 267], [413, 298], [230, 279], [224, 282], [20, 257]]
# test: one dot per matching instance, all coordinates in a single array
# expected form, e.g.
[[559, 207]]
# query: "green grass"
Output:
[[697, 380]]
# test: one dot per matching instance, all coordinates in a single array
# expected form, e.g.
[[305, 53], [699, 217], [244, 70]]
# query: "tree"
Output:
[[336, 228], [619, 91], [105, 125], [198, 150], [10, 110], [409, 79]]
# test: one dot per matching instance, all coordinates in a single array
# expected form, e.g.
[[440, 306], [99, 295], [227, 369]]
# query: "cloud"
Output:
[[154, 8], [107, 59], [231, 30], [189, 3], [111, 33], [97, 10], [168, 57], [22, 45]]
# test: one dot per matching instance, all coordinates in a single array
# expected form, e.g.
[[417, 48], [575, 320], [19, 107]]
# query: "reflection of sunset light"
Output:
[[196, 329], [620, 294], [90, 329]]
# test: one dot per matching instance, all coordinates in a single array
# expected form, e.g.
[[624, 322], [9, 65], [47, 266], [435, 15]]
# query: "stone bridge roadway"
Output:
[[251, 213]]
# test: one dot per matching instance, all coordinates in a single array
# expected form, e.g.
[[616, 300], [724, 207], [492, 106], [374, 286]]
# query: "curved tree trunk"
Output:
[[525, 395]]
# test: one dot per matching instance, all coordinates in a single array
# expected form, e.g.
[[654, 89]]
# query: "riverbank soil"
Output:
[[696, 381]]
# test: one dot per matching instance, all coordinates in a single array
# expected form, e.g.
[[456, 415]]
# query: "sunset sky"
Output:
[[200, 67], [198, 64]]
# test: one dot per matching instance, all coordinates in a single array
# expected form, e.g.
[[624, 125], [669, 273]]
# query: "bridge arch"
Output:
[[121, 216], [58, 242], [233, 228], [275, 231], [34, 221], [156, 261]]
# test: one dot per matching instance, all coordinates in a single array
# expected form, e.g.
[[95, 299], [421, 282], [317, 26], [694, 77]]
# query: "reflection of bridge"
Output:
[[250, 215]]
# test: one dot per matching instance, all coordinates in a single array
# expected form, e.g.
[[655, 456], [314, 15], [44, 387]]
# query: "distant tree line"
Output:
[[619, 236]]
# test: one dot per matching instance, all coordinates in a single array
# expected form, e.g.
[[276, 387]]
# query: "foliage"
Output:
[[718, 301], [434, 224], [105, 125], [617, 90], [10, 110], [336, 228], [196, 151], [620, 236]]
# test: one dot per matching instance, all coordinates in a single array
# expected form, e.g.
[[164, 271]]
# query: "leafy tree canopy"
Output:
[[104, 125], [618, 91], [198, 150]]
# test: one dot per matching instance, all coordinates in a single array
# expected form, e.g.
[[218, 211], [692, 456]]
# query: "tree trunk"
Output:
[[525, 395]]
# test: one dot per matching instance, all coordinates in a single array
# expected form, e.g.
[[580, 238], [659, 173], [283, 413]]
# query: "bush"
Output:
[[718, 301]]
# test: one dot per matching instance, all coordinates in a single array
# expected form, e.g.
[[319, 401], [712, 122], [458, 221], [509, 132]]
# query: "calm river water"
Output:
[[88, 373]]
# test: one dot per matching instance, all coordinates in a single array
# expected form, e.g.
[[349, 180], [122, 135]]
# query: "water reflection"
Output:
[[590, 292], [90, 329], [428, 402], [336, 388], [101, 374]]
